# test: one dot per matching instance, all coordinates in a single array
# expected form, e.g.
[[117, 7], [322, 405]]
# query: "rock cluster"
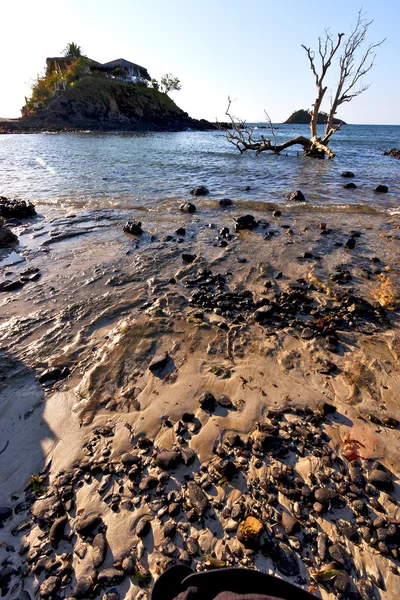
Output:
[[19, 209]]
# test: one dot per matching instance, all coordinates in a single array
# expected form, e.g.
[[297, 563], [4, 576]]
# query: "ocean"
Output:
[[80, 171]]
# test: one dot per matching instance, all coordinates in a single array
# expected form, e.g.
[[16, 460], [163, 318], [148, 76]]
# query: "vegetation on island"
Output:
[[354, 62], [74, 69], [303, 117]]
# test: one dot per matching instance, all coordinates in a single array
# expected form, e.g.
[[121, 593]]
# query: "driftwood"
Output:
[[349, 86]]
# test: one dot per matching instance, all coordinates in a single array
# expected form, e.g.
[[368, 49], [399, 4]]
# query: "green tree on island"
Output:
[[72, 50], [169, 83]]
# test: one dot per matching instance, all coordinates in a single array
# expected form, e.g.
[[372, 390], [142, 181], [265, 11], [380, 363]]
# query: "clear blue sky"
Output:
[[248, 50]]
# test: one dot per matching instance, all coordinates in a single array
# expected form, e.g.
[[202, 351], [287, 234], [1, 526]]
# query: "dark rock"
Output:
[[225, 402], [322, 546], [207, 401], [287, 562], [99, 549], [169, 529], [188, 455], [111, 595], [188, 258], [276, 213], [5, 513], [245, 222], [289, 523], [148, 483], [56, 532], [9, 285], [197, 498], [180, 231], [366, 590], [348, 530], [341, 583], [296, 196], [201, 190], [133, 227], [50, 587], [128, 460], [339, 554], [395, 152], [226, 468], [159, 362], [356, 475], [52, 374], [225, 202], [351, 243], [16, 208], [187, 417], [168, 459], [109, 577], [381, 480], [382, 189], [360, 506], [350, 186], [326, 495], [327, 408], [347, 174], [143, 528], [86, 526], [7, 237], [188, 207], [144, 442]]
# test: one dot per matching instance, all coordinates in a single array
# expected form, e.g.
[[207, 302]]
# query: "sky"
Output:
[[248, 50]]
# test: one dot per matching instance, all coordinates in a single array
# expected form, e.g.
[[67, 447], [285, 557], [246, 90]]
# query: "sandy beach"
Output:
[[212, 397]]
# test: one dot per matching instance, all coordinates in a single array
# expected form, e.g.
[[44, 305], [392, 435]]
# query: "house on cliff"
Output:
[[115, 69]]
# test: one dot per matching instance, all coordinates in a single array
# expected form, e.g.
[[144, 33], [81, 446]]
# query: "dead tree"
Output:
[[355, 61]]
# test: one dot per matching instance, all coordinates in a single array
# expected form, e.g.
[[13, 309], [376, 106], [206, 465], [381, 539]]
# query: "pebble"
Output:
[[56, 532], [250, 531], [5, 513], [197, 498], [338, 553], [347, 174], [111, 576], [207, 401], [381, 480], [159, 362], [287, 562], [200, 190], [85, 526], [188, 207], [143, 528], [133, 227], [168, 459], [290, 523], [99, 549]]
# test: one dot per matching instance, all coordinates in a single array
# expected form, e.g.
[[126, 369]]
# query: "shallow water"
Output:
[[150, 171]]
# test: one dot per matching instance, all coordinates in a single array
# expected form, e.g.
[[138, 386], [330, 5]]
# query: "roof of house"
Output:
[[125, 64], [113, 64]]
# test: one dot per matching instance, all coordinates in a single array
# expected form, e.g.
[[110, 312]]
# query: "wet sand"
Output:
[[310, 326]]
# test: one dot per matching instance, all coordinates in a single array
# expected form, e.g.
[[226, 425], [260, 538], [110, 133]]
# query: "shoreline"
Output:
[[107, 304]]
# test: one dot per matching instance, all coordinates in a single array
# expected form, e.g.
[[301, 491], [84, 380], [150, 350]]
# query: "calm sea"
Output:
[[72, 171]]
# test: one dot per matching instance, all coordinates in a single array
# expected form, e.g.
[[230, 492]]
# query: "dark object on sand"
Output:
[[382, 189], [16, 208], [225, 202], [7, 237], [245, 222], [395, 152], [158, 362], [201, 190], [351, 243], [276, 213], [188, 207], [180, 231], [179, 582], [188, 258], [350, 186], [134, 227], [348, 174], [296, 196]]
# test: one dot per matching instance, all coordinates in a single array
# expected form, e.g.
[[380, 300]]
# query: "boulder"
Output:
[[159, 362], [395, 152], [296, 196], [381, 480], [350, 186], [347, 174], [245, 222], [188, 258], [188, 207], [5, 513], [201, 190], [133, 227], [225, 202], [16, 208], [168, 459], [382, 189], [7, 237]]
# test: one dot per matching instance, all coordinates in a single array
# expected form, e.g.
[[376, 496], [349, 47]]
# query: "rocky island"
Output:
[[302, 117], [78, 93]]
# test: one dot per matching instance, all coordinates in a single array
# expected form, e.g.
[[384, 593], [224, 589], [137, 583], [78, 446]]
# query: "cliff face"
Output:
[[106, 104], [302, 117]]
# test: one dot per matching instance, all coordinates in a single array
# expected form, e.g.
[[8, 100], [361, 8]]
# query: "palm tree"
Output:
[[72, 50]]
